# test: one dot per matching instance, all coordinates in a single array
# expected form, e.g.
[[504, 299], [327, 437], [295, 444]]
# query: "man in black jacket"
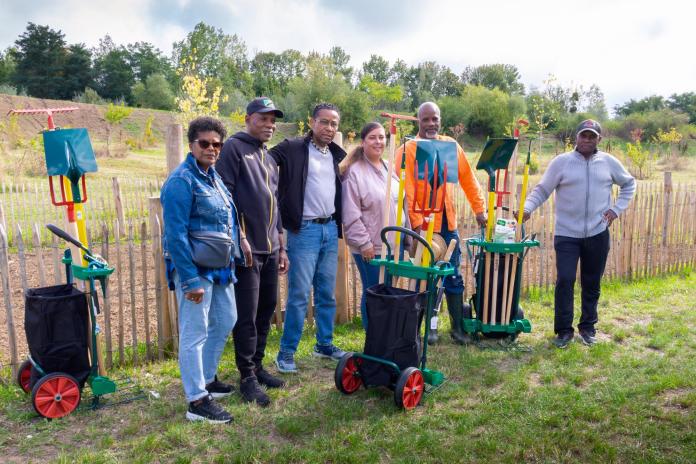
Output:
[[310, 206], [251, 176]]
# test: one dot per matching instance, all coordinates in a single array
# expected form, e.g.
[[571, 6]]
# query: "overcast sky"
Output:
[[630, 48]]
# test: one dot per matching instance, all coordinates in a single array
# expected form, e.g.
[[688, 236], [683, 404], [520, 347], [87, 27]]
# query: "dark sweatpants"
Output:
[[256, 292], [592, 253]]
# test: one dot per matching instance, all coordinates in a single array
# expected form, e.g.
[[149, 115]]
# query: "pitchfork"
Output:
[[428, 206]]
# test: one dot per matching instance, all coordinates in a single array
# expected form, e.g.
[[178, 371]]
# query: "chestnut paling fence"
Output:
[[655, 236]]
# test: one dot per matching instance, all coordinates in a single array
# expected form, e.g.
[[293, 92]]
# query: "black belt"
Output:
[[325, 220]]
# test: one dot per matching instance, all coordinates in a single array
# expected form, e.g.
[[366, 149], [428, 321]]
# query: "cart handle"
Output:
[[89, 256], [406, 231]]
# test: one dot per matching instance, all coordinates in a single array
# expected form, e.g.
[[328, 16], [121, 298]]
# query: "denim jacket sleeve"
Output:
[[177, 200]]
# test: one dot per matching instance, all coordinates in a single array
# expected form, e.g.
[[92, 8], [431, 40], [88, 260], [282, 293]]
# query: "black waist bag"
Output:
[[56, 325], [393, 316]]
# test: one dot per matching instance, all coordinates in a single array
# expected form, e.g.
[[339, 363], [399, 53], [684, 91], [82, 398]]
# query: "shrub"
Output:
[[89, 96]]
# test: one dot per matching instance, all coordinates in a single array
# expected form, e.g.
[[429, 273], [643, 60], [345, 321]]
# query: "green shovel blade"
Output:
[[69, 153], [496, 154]]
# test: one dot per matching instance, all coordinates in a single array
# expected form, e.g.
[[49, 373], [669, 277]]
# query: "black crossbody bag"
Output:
[[211, 248]]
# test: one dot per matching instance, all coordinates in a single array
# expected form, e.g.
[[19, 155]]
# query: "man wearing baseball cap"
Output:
[[251, 176], [583, 181]]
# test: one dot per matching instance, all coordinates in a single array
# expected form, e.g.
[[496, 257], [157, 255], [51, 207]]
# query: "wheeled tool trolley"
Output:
[[393, 356], [495, 304], [61, 329]]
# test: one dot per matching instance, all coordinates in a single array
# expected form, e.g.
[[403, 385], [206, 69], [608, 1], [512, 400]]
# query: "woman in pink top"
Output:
[[364, 191]]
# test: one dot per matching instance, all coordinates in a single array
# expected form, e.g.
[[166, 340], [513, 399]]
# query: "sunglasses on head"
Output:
[[204, 144]]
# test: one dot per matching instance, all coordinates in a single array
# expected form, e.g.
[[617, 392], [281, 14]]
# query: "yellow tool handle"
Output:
[[399, 211], [491, 218], [523, 198]]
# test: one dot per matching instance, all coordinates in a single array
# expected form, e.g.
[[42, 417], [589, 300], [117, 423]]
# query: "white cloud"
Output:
[[631, 49]]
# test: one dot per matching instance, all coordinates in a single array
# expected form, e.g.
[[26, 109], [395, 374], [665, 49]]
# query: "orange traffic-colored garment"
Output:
[[414, 189]]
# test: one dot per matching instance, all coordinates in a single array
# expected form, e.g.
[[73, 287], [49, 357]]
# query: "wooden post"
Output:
[[118, 202], [146, 306], [119, 274], [175, 147], [342, 270], [134, 319], [6, 291], [39, 256], [57, 266], [21, 257], [107, 300], [164, 323]]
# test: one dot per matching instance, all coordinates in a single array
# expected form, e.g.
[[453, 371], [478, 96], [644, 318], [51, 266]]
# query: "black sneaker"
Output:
[[588, 338], [563, 340], [206, 409], [219, 389], [265, 378], [252, 391]]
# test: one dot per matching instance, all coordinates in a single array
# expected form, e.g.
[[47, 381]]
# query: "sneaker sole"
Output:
[[284, 371], [217, 396], [196, 418], [327, 356]]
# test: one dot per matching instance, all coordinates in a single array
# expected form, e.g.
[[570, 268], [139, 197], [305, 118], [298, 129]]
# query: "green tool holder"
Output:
[[515, 325], [95, 270]]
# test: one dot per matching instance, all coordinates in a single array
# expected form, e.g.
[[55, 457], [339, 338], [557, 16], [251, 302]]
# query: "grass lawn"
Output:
[[630, 398]]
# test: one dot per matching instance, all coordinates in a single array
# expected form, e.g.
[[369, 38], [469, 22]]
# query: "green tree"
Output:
[[271, 72], [651, 103], [482, 111], [114, 115], [378, 69], [77, 70], [505, 77], [213, 52], [113, 75], [685, 102], [594, 103], [381, 96], [7, 66], [340, 60], [39, 59], [155, 93], [145, 59]]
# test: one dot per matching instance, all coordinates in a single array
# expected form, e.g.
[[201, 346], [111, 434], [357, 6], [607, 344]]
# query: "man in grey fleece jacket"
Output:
[[583, 181]]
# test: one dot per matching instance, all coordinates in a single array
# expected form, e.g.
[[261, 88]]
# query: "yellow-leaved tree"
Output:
[[198, 96]]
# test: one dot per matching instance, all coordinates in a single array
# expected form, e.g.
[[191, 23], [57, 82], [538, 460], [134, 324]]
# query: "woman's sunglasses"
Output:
[[204, 144]]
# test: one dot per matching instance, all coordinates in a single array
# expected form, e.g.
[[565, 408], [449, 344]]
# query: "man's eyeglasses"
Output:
[[205, 144], [326, 122]]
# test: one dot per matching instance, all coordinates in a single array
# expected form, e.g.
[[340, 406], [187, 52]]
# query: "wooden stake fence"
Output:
[[656, 235]]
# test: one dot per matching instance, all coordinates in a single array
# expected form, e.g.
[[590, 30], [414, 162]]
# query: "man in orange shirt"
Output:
[[445, 222]]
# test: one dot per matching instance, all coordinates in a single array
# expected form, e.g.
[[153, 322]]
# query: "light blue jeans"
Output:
[[203, 331], [313, 255]]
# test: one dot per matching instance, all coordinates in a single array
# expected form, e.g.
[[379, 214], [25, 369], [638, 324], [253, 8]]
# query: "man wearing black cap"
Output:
[[583, 181], [251, 176]]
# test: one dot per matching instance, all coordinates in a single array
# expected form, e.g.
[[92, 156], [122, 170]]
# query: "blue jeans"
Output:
[[203, 331], [369, 276], [313, 255]]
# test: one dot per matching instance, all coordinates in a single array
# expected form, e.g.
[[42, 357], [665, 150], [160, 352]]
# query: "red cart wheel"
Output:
[[56, 395], [409, 388], [24, 376], [347, 375]]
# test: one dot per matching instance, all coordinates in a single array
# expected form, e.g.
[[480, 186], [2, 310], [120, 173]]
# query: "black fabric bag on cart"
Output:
[[393, 319], [56, 322]]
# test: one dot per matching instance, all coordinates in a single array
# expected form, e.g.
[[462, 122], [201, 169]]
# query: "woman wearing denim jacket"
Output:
[[195, 199]]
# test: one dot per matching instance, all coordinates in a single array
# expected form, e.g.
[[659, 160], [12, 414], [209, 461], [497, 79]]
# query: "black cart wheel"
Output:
[[347, 375], [409, 388], [56, 395], [24, 376]]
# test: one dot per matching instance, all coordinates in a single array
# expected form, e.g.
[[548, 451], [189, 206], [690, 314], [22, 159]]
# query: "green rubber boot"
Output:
[[455, 308]]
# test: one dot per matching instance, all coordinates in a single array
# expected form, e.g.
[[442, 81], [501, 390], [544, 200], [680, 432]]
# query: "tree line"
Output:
[[481, 100]]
